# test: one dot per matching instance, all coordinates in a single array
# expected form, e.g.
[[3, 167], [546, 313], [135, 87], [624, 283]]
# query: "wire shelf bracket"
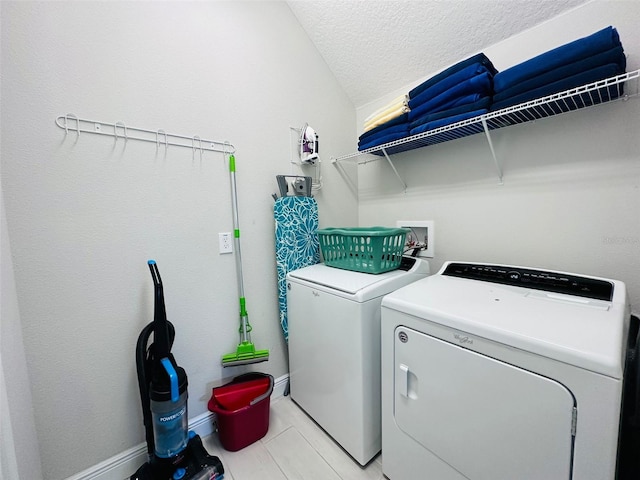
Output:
[[493, 151], [119, 130], [386, 155]]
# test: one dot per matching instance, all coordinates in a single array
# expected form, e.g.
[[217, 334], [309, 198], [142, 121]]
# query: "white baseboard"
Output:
[[123, 465]]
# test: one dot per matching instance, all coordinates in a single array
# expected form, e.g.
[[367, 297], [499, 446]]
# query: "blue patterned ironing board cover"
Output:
[[296, 243]]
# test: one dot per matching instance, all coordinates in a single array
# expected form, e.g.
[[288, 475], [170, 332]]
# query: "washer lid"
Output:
[[364, 286], [587, 333]]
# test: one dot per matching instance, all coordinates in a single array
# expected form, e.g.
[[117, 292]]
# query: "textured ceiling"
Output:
[[375, 47]]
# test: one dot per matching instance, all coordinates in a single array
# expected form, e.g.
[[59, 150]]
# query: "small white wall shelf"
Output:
[[119, 130], [621, 87]]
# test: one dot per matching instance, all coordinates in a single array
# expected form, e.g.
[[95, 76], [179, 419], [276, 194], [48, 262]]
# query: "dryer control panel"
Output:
[[549, 281]]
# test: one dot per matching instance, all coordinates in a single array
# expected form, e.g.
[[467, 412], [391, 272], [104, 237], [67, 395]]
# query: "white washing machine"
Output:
[[334, 349], [494, 372]]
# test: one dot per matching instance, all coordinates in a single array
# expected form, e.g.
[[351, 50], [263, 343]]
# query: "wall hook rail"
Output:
[[71, 122]]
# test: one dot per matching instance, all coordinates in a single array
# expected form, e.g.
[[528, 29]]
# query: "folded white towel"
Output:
[[401, 101], [385, 118]]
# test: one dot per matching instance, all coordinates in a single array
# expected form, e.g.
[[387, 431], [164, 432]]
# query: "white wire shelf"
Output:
[[119, 130], [621, 87]]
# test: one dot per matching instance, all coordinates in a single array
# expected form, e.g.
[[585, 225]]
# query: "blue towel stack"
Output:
[[583, 61], [459, 92], [462, 91]]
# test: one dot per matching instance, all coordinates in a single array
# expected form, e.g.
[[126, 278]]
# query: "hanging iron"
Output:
[[308, 142]]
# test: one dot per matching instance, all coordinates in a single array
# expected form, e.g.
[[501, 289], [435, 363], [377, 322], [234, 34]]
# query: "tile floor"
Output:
[[294, 448]]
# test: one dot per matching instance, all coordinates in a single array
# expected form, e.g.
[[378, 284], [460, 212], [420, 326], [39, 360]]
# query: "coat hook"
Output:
[[115, 130], [66, 118], [226, 144], [166, 140], [193, 146]]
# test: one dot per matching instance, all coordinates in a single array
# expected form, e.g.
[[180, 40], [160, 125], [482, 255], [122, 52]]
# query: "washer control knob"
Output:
[[513, 276]]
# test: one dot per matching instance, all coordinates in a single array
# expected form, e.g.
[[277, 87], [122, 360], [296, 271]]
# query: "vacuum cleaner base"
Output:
[[193, 463]]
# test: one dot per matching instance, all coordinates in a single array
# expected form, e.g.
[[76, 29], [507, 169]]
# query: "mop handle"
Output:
[[244, 330]]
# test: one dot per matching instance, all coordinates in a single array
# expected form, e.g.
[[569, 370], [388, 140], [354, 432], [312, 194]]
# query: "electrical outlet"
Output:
[[422, 235], [225, 241]]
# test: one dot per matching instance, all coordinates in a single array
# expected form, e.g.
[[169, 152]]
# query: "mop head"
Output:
[[245, 355], [246, 352]]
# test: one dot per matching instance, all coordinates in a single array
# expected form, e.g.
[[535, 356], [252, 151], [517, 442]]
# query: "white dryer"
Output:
[[494, 372], [334, 348]]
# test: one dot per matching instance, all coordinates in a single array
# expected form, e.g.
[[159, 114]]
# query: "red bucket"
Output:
[[242, 409]]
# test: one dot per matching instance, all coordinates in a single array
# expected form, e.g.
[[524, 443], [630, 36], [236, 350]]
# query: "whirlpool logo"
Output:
[[173, 416], [462, 339]]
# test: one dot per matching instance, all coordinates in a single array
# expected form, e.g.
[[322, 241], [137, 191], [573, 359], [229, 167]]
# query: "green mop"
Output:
[[246, 352]]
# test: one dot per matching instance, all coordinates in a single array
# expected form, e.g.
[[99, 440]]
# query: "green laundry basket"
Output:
[[367, 250]]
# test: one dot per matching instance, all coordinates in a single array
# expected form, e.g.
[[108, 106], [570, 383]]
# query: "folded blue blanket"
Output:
[[483, 103], [590, 76], [382, 130], [376, 140], [453, 103], [478, 58], [613, 55], [447, 83], [593, 44], [480, 85], [447, 121]]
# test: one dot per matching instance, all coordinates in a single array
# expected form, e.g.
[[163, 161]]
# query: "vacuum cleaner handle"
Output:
[[160, 334]]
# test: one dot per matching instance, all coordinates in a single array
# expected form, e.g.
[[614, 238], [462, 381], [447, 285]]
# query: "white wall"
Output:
[[571, 193], [20, 453], [84, 214]]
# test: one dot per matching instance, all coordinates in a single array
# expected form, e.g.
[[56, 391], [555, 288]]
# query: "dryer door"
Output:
[[486, 419]]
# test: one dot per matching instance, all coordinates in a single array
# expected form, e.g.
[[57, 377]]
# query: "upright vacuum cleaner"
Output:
[[174, 452]]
